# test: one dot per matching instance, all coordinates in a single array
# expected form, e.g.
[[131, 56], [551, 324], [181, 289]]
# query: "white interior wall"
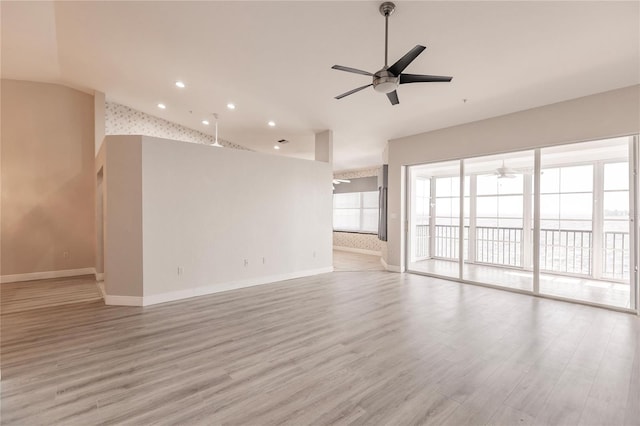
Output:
[[207, 210], [609, 114]]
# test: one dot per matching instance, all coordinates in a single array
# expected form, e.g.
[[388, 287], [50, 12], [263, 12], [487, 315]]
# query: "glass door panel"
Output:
[[499, 217], [584, 222], [434, 218]]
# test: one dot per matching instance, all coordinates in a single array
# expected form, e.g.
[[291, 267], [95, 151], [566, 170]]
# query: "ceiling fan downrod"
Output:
[[386, 9]]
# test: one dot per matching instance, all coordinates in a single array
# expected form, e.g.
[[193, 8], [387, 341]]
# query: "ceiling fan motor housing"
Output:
[[385, 82]]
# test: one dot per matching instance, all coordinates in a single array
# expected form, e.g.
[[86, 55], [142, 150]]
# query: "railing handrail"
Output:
[[521, 228]]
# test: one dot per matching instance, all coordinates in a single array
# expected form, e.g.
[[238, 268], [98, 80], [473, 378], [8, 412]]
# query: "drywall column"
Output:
[[99, 133], [324, 146], [122, 183], [99, 120]]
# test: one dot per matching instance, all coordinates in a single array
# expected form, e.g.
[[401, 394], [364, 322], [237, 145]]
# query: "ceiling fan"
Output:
[[505, 172], [339, 181], [389, 77]]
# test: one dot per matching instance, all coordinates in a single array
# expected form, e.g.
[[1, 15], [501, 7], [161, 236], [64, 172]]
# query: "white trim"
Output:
[[123, 300], [357, 250], [99, 276], [390, 268], [100, 286], [383, 263], [537, 174], [461, 222], [33, 276], [210, 289]]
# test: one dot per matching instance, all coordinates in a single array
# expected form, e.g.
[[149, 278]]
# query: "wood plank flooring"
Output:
[[361, 348], [27, 295], [344, 261]]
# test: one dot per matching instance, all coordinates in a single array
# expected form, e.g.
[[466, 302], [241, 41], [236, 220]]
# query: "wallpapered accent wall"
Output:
[[351, 174], [122, 120], [358, 241], [352, 240]]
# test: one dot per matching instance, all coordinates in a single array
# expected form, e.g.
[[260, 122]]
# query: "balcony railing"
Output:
[[561, 250], [499, 246], [567, 251], [616, 255]]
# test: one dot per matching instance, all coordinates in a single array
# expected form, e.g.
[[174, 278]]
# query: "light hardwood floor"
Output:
[[344, 261], [23, 296], [362, 348]]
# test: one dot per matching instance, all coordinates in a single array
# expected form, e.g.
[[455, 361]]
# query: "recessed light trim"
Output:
[[180, 84], [162, 106], [271, 123], [276, 147], [231, 105], [205, 122]]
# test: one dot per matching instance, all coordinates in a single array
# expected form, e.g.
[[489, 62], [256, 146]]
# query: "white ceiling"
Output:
[[273, 60]]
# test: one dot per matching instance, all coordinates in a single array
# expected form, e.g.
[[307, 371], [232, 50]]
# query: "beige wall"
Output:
[[47, 205], [613, 113]]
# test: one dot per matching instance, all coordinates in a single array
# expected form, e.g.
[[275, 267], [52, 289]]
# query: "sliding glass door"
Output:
[[585, 238], [500, 220], [435, 219], [473, 220]]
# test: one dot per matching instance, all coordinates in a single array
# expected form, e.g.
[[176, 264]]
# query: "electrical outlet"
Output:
[[264, 260], [246, 262], [180, 270], [314, 254], [65, 254]]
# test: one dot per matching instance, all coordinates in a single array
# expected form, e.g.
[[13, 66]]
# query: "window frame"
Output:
[[361, 211]]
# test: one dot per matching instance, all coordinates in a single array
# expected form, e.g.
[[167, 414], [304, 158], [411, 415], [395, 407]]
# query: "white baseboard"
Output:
[[32, 276], [390, 268], [100, 285], [357, 250], [384, 264], [210, 289], [123, 300]]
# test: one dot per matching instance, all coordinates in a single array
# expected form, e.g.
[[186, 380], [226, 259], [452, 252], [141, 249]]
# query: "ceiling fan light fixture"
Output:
[[385, 82]]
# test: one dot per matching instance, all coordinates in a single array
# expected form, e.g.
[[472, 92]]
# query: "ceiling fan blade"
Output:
[[404, 62], [350, 92], [348, 69], [393, 97], [416, 78]]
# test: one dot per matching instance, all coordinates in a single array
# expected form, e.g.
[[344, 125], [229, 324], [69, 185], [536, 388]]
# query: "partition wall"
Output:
[[554, 221]]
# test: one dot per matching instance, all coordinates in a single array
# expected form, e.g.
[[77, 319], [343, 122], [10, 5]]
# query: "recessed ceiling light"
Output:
[[180, 84], [231, 106], [162, 106], [205, 122], [272, 123], [276, 147]]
